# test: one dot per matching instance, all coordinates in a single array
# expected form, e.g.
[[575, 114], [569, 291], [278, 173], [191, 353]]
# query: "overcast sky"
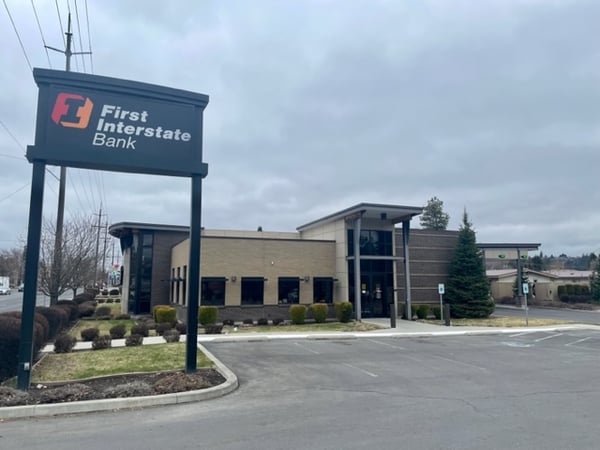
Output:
[[490, 105]]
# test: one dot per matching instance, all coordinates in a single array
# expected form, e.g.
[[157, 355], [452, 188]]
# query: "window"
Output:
[[253, 289], [323, 289], [372, 243], [289, 290], [184, 287], [212, 291]]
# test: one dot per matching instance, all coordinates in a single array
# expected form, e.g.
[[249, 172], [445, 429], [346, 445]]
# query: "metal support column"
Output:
[[407, 296], [194, 276], [32, 255], [357, 289]]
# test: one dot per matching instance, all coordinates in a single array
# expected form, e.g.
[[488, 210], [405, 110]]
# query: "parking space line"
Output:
[[521, 334], [307, 348], [371, 374], [578, 341], [386, 344], [548, 337], [483, 369]]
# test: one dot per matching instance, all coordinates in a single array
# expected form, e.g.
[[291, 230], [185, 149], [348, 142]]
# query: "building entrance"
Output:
[[376, 287]]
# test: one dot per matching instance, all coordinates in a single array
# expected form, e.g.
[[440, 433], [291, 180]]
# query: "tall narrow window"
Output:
[[289, 290], [213, 291], [323, 290], [253, 289], [184, 287]]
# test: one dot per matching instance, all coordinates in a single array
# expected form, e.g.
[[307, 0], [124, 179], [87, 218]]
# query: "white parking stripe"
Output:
[[521, 334], [371, 374], [387, 345], [579, 341], [307, 348], [548, 337]]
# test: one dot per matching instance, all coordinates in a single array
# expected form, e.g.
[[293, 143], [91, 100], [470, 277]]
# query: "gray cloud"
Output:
[[317, 105]]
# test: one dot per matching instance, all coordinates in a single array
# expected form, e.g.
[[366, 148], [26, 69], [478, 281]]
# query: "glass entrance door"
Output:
[[374, 290]]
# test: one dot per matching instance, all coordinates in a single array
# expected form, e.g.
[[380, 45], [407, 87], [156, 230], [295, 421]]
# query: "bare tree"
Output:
[[78, 258], [11, 265]]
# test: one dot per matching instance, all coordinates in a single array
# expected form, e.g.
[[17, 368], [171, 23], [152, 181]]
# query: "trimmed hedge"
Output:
[[207, 315], [164, 314], [118, 331], [422, 311], [89, 334], [343, 311], [57, 319], [319, 312], [297, 314], [64, 343]]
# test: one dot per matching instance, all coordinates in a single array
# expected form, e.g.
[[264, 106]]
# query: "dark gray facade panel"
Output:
[[161, 265]]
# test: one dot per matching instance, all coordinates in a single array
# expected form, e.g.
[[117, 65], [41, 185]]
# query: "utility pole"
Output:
[[98, 227], [57, 262]]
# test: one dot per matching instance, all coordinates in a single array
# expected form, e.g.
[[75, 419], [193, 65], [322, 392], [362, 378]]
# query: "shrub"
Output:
[[89, 334], [110, 300], [123, 316], [101, 342], [343, 311], [248, 321], [103, 311], [228, 322], [319, 312], [297, 314], [71, 307], [263, 321], [118, 331], [422, 311], [162, 327], [164, 314], [437, 312], [140, 328], [277, 321], [181, 327], [87, 309], [171, 336], [64, 343], [213, 329], [83, 297], [101, 300], [114, 291], [10, 329], [57, 319], [207, 315], [134, 340]]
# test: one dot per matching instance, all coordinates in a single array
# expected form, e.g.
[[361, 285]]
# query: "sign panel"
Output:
[[102, 123], [441, 288]]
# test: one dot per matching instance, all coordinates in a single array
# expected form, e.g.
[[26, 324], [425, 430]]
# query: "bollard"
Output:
[[447, 314], [392, 315]]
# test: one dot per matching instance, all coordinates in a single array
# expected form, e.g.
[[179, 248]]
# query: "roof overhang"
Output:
[[121, 229], [391, 213]]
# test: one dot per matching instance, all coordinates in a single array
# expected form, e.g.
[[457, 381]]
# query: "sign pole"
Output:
[[441, 290]]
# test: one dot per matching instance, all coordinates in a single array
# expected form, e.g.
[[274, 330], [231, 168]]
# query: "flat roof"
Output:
[[509, 246], [393, 213], [120, 228]]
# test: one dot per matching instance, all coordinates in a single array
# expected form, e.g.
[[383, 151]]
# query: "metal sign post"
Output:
[[441, 290], [525, 290]]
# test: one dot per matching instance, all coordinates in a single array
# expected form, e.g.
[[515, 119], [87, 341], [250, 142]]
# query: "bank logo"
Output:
[[72, 110]]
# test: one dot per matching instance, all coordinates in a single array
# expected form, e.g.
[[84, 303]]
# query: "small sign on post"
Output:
[[525, 290], [441, 290]]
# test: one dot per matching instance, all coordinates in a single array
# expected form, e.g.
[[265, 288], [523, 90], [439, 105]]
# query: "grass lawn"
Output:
[[92, 363], [503, 322], [286, 328]]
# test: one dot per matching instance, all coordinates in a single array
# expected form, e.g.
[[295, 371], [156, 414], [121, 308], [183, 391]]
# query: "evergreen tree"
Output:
[[595, 283], [468, 289], [434, 217]]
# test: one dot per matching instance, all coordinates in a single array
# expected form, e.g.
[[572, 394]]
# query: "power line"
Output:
[[87, 19], [18, 190], [79, 35], [62, 30], [37, 19], [11, 135], [18, 36]]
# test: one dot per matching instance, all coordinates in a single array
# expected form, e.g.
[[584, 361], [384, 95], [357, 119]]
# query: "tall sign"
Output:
[[100, 123]]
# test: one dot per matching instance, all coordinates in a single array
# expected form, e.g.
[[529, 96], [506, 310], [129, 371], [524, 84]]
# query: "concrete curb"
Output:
[[231, 383]]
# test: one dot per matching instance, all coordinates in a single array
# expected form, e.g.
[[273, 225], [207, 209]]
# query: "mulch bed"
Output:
[[118, 386]]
